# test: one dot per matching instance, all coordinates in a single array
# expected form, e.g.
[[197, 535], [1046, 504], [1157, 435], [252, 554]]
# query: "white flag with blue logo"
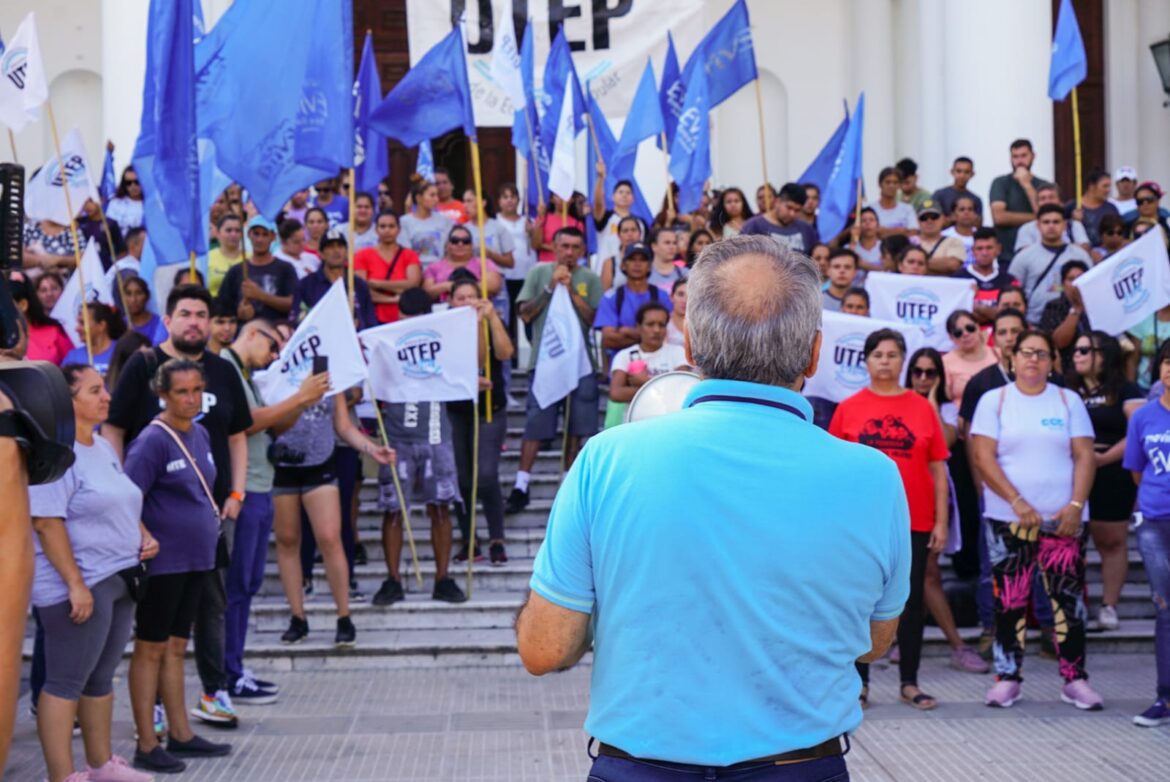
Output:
[[22, 77], [1128, 286], [562, 358], [327, 330], [920, 301], [430, 358], [44, 198], [68, 308], [841, 370]]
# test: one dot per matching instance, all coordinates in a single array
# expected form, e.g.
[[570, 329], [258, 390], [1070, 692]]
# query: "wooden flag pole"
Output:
[[483, 292], [191, 268], [593, 138], [1076, 120], [12, 143], [472, 510], [73, 232], [666, 169], [350, 248], [403, 500], [114, 263], [763, 153]]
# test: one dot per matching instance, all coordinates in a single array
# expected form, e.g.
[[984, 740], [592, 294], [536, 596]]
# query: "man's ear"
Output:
[[815, 358]]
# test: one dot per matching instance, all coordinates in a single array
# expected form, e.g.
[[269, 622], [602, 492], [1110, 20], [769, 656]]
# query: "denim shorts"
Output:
[[425, 471]]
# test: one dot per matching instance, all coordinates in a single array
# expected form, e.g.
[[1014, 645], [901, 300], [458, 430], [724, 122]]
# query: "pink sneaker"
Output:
[[968, 660], [1080, 694], [116, 769], [76, 776], [1003, 694]]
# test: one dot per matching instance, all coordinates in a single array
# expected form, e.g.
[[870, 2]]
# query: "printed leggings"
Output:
[[1015, 554]]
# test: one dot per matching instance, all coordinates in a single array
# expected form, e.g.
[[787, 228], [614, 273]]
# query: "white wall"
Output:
[[1137, 126]]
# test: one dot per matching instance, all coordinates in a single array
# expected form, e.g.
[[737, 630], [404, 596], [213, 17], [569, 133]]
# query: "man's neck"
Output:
[[1054, 244], [331, 276], [988, 270], [237, 351], [261, 260], [638, 286], [284, 250], [168, 347], [957, 186], [1091, 201], [646, 348], [924, 238], [837, 292]]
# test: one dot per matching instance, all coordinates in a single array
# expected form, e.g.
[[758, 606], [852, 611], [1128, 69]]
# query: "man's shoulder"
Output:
[[757, 225]]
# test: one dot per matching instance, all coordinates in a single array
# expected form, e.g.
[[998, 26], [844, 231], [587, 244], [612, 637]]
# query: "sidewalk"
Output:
[[501, 724]]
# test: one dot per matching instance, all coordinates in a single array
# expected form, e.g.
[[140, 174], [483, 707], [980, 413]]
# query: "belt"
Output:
[[826, 749]]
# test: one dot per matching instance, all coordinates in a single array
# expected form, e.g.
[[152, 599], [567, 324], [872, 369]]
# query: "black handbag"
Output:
[[135, 578]]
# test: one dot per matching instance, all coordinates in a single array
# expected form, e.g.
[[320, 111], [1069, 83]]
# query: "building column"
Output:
[[872, 45], [1146, 111]]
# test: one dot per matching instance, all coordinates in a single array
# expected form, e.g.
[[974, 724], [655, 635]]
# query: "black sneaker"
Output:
[[356, 595], [499, 554], [462, 555], [389, 593], [346, 632], [297, 630], [246, 690], [159, 761], [360, 557], [448, 591], [307, 585], [197, 747], [517, 501]]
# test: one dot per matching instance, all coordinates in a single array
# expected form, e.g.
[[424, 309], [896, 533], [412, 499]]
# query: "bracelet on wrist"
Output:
[[1017, 499], [1077, 504]]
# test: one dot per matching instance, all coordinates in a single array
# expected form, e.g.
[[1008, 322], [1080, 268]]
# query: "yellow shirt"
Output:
[[217, 268]]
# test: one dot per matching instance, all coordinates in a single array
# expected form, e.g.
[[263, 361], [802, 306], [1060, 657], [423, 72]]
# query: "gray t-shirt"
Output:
[[1039, 275], [416, 423], [665, 282], [426, 237], [310, 440], [101, 507], [260, 470]]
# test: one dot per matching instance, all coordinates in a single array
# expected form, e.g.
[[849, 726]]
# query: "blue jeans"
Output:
[[606, 769], [1153, 539], [245, 575], [985, 590]]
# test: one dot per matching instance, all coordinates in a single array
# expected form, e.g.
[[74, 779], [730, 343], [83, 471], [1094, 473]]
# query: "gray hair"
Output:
[[761, 333]]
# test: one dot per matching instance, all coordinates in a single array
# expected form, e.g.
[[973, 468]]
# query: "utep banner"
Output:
[[1129, 286], [610, 42], [67, 310], [326, 331], [919, 301], [841, 371], [431, 358], [44, 198]]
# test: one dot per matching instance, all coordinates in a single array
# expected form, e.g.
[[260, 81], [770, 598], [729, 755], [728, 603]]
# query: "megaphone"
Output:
[[661, 395]]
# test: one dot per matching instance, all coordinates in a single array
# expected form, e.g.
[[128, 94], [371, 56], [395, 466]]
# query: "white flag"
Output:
[[326, 331], [919, 301], [841, 370], [1128, 286], [562, 172], [506, 64], [22, 78], [562, 359], [68, 307], [45, 197], [431, 358]]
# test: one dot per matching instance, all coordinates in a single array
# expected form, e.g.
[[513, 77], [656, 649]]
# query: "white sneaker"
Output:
[[1107, 618]]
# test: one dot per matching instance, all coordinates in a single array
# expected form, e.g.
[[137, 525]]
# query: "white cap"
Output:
[[1124, 172]]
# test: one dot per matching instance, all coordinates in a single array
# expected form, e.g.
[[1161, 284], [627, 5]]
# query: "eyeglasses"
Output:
[[1084, 351], [459, 240], [273, 345], [930, 373], [1034, 353], [959, 331], [1146, 200], [132, 182]]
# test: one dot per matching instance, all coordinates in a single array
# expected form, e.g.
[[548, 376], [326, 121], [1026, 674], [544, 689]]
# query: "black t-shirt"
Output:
[[988, 379], [1109, 421], [278, 278], [225, 407]]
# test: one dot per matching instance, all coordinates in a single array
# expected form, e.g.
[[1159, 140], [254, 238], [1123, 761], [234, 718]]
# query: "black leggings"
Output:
[[491, 439], [913, 621]]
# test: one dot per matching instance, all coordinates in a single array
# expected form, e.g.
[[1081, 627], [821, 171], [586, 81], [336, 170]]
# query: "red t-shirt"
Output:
[[378, 268], [548, 229], [905, 428], [453, 209]]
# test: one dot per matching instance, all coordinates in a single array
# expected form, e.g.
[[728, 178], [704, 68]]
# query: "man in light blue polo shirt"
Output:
[[729, 578]]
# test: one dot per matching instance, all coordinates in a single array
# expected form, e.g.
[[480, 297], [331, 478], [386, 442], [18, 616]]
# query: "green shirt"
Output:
[[585, 284], [915, 200], [260, 470], [1006, 189], [1149, 334]]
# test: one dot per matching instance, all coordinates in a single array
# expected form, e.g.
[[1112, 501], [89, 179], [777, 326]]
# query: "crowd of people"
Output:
[[1029, 438]]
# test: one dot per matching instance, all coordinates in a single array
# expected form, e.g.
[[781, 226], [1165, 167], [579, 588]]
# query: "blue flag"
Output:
[[690, 155], [726, 54], [166, 155], [526, 133], [644, 120], [556, 70], [109, 186], [432, 98], [1069, 64], [298, 126], [839, 195], [819, 171], [671, 92], [371, 156], [425, 167]]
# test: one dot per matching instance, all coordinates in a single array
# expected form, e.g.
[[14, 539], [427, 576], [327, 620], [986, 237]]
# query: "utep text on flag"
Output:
[[670, 92], [166, 155], [726, 55], [327, 330], [841, 371], [23, 87], [1069, 65], [562, 359], [291, 66], [68, 307], [371, 155], [432, 98], [432, 358], [839, 194], [44, 198], [1128, 286], [690, 155], [925, 302]]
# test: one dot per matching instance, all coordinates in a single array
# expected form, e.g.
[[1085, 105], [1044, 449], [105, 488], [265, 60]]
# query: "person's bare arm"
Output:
[[285, 414], [16, 573], [238, 454], [530, 309], [549, 637], [599, 193], [502, 347], [881, 635], [942, 507], [944, 264], [618, 337], [253, 292], [55, 543]]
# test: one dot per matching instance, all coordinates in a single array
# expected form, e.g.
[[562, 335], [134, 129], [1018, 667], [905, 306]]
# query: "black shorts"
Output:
[[1113, 494], [302, 480], [167, 608]]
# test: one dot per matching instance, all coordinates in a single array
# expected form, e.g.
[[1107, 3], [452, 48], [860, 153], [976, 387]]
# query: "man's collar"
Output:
[[751, 393]]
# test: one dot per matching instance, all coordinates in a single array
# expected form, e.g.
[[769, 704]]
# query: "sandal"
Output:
[[921, 701], [863, 698]]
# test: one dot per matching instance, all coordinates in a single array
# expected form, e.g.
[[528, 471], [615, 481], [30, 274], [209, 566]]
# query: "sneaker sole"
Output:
[[212, 719], [292, 643], [1082, 706], [345, 644], [260, 700], [1146, 722], [1003, 704], [177, 769]]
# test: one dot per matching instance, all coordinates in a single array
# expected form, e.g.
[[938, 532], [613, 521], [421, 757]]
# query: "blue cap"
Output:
[[259, 221], [637, 248]]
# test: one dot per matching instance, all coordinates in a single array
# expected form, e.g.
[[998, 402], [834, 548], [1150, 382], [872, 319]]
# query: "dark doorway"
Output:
[[1090, 96]]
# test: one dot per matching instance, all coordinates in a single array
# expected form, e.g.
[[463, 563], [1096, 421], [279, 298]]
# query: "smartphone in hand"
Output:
[[320, 364]]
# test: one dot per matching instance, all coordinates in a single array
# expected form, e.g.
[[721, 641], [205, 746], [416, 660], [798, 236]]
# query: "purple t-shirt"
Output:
[[175, 508]]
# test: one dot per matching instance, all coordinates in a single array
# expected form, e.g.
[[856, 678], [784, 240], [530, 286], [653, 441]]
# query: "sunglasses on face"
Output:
[[1081, 350], [1146, 200], [273, 345], [959, 331], [929, 373], [326, 190], [459, 240], [921, 218], [132, 182], [1034, 353]]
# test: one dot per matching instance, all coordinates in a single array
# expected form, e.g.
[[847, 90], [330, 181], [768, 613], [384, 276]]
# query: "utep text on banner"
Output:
[[841, 370], [326, 331], [919, 301], [1129, 286], [563, 358], [431, 358]]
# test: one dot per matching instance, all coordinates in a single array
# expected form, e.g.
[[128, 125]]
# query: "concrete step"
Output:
[[520, 543], [543, 484], [417, 612], [513, 576], [535, 516]]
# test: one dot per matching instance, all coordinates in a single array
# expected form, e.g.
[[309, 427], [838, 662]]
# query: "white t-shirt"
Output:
[[609, 245], [1033, 446], [1029, 234], [949, 413], [522, 254], [1124, 206], [305, 265], [968, 242], [900, 216], [666, 359]]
